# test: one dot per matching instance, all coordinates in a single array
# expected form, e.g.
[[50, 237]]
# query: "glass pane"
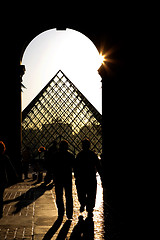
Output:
[[61, 112]]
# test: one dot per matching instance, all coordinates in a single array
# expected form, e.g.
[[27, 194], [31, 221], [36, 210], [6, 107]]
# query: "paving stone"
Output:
[[30, 212]]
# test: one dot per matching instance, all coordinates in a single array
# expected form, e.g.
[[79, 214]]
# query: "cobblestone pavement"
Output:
[[30, 212]]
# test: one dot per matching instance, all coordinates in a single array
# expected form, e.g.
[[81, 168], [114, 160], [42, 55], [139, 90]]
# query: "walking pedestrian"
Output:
[[49, 161], [26, 158], [86, 166], [3, 174], [62, 176]]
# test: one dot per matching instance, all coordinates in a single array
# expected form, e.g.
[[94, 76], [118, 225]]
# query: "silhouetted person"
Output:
[[62, 175], [87, 164], [49, 159], [6, 170], [26, 158], [39, 163], [3, 177]]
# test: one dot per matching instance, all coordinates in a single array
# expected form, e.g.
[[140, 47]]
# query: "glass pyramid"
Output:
[[60, 111]]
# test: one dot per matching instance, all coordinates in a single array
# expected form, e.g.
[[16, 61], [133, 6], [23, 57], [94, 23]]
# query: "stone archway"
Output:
[[76, 55], [45, 42]]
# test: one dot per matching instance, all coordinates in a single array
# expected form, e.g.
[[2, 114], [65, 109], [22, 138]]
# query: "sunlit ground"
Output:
[[98, 218], [29, 213]]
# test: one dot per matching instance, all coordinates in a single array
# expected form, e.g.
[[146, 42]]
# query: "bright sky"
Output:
[[69, 51]]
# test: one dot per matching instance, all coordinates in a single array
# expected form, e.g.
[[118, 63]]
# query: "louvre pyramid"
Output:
[[60, 111]]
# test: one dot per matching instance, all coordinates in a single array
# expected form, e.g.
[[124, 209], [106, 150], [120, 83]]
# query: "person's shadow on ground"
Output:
[[29, 197], [84, 229], [63, 232]]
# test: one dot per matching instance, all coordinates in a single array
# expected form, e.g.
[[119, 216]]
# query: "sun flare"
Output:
[[101, 58]]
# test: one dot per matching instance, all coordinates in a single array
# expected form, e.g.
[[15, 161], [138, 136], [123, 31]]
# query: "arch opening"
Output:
[[69, 51]]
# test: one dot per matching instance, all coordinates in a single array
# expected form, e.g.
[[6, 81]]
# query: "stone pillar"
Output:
[[102, 72], [15, 123], [20, 73]]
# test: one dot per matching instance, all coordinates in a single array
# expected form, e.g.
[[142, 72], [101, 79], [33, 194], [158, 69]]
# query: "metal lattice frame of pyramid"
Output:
[[60, 111]]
